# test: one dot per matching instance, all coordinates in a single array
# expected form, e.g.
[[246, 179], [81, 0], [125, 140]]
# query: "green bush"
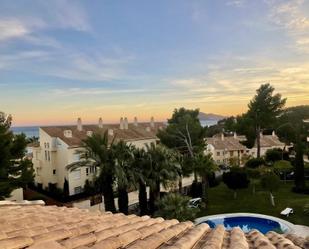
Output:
[[175, 206], [254, 163]]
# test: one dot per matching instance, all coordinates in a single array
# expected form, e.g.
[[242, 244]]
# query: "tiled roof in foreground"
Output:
[[51, 227]]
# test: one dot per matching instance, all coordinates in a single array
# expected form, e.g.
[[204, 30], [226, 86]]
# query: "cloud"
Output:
[[26, 22], [65, 14], [236, 3], [292, 16], [237, 81], [96, 68], [12, 29], [66, 92]]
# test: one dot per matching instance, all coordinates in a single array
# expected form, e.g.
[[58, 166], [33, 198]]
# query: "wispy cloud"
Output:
[[27, 23], [66, 92], [12, 29], [290, 15], [236, 3], [237, 81]]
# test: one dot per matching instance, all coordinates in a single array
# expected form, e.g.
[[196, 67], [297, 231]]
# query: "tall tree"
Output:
[[204, 165], [184, 133], [15, 170], [96, 152], [162, 169], [124, 172], [293, 127], [264, 108], [140, 169]]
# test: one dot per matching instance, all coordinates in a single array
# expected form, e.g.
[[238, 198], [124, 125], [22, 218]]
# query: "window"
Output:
[[48, 155], [218, 153], [78, 190], [45, 155], [47, 145], [87, 171], [54, 172], [44, 145], [231, 153], [92, 169]]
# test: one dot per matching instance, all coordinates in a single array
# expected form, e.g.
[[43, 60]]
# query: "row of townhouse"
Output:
[[224, 148], [58, 148]]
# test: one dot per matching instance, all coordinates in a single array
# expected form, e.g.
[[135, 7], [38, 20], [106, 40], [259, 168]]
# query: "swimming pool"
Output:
[[248, 222]]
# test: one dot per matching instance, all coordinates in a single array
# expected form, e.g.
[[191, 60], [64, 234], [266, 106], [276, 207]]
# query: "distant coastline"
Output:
[[29, 131]]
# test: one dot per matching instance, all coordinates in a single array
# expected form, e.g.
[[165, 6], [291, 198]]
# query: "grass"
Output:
[[221, 201]]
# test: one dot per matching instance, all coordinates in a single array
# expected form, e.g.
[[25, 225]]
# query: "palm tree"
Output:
[[162, 169], [140, 172], [204, 165], [175, 206], [124, 173], [97, 153]]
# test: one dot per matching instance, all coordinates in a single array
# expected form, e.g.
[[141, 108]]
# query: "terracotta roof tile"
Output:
[[139, 132], [62, 228]]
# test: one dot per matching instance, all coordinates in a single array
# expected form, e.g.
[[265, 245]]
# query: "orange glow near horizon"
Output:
[[113, 116]]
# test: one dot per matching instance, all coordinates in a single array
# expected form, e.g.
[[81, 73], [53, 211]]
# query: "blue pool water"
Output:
[[247, 223]]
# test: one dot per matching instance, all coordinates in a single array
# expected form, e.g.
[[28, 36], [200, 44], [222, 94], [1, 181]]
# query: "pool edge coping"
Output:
[[291, 226]]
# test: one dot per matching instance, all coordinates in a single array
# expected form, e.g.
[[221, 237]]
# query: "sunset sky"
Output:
[[60, 60]]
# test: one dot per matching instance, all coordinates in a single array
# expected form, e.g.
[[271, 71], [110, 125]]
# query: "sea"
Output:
[[29, 131], [33, 131]]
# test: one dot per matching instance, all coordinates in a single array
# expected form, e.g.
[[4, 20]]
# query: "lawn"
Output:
[[221, 201]]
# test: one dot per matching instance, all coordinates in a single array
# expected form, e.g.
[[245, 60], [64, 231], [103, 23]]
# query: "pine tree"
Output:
[[15, 170]]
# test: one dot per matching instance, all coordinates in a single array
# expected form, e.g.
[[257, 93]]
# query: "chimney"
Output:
[[273, 134], [121, 123], [110, 132], [126, 124], [152, 124], [135, 121], [100, 123], [79, 124], [222, 136], [235, 135]]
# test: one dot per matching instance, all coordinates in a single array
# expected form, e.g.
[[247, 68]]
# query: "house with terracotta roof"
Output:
[[59, 145], [224, 148], [32, 225]]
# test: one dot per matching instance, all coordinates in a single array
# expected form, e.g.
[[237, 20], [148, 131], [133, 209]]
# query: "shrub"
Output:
[[236, 179], [255, 163], [273, 155], [175, 206]]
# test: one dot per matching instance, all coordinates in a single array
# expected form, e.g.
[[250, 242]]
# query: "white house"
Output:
[[59, 145], [223, 148]]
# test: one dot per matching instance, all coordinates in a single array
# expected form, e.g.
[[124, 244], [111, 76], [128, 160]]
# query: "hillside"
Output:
[[210, 116]]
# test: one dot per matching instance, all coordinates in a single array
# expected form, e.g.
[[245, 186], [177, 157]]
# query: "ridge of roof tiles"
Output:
[[133, 132], [51, 227]]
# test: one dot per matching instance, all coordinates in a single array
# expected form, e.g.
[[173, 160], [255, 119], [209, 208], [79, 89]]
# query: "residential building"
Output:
[[58, 147], [268, 142], [225, 148]]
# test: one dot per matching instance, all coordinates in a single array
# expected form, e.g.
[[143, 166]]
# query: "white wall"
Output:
[[16, 195]]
